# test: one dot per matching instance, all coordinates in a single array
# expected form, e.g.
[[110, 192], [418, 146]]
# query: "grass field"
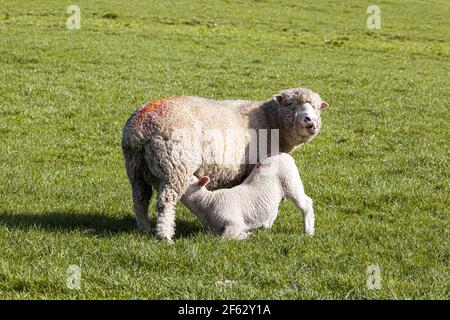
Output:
[[378, 172]]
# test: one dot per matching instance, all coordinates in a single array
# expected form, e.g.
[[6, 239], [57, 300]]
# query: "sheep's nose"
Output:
[[307, 119]]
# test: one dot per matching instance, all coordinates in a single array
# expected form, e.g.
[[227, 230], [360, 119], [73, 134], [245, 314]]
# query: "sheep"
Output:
[[167, 141], [253, 203]]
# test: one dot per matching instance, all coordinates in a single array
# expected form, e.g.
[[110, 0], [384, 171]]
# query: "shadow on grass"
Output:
[[99, 224]]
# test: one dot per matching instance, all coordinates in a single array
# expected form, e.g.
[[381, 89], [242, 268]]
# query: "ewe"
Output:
[[253, 203], [159, 151]]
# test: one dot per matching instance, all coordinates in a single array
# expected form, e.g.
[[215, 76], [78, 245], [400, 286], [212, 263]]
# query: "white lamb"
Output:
[[252, 204]]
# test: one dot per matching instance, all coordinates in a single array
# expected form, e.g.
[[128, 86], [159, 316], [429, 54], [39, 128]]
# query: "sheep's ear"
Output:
[[324, 105], [279, 99], [203, 181]]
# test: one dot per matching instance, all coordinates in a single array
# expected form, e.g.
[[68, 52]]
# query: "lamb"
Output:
[[167, 141], [252, 204]]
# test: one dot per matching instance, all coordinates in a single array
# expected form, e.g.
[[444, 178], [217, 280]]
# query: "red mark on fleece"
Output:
[[155, 107], [157, 104]]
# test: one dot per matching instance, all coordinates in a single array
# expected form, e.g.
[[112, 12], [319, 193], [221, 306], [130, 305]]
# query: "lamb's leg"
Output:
[[269, 222], [304, 203], [306, 206], [308, 214], [140, 189], [168, 196]]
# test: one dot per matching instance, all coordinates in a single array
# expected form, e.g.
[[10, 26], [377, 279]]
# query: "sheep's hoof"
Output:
[[167, 241], [145, 230], [144, 227], [164, 239]]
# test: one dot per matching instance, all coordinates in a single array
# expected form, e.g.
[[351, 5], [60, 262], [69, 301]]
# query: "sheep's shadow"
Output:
[[98, 224]]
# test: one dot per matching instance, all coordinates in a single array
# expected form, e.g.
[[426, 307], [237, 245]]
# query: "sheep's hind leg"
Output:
[[142, 194], [168, 196], [140, 189]]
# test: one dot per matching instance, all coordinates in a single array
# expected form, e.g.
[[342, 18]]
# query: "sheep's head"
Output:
[[299, 114]]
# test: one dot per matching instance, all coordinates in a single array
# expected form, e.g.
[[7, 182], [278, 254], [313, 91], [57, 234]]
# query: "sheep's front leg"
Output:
[[168, 196]]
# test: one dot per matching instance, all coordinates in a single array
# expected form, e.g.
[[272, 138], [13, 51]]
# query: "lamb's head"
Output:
[[299, 114], [196, 187]]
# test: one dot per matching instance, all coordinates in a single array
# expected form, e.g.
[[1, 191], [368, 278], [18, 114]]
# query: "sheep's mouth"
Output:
[[311, 128]]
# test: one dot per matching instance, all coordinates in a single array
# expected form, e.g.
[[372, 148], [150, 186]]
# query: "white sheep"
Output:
[[157, 152], [252, 204]]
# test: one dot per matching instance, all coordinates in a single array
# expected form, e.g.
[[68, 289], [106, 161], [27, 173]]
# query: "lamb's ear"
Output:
[[324, 105], [203, 181]]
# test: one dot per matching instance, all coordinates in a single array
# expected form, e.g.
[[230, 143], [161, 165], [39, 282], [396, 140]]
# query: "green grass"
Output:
[[378, 173]]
